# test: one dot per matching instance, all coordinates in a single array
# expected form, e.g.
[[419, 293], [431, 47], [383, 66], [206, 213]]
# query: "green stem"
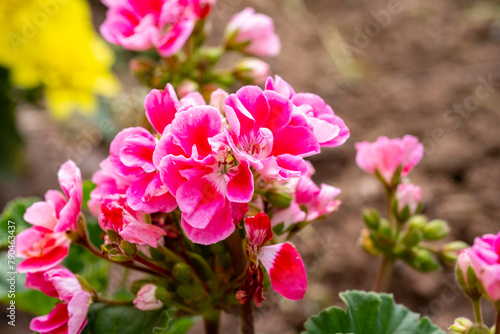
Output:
[[98, 299], [476, 302], [497, 324], [246, 315], [384, 275], [211, 320]]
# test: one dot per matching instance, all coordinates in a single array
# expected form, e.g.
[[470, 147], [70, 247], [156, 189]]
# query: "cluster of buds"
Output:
[[404, 235]]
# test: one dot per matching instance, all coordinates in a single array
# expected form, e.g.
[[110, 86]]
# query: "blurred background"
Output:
[[387, 67]]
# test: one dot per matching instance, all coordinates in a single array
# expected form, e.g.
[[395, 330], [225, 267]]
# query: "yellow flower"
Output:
[[52, 43]]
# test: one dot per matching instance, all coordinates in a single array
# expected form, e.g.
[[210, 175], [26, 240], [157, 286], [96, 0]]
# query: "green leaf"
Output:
[[107, 319], [369, 313], [14, 212], [88, 186]]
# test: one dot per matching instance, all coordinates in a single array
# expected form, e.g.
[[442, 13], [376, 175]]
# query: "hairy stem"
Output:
[[476, 302], [384, 275]]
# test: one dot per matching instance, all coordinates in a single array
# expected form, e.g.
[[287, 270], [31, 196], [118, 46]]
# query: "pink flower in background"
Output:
[[485, 260], [261, 134], [252, 70], [386, 155], [281, 261], [45, 244], [212, 192], [146, 299], [70, 316], [254, 31], [131, 154], [409, 195], [164, 24], [311, 110], [116, 215]]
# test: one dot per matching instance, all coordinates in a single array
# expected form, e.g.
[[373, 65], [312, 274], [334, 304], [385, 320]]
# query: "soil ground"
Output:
[[387, 67]]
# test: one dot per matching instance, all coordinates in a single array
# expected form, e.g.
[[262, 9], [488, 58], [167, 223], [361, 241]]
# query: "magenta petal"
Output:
[[137, 150], [56, 199], [70, 177], [149, 195], [199, 200], [58, 317], [219, 228], [68, 217], [295, 140], [37, 281], [258, 229], [254, 101], [286, 270], [47, 261], [161, 107], [280, 111], [142, 233], [240, 184], [280, 86], [41, 214], [174, 39], [194, 126], [77, 311]]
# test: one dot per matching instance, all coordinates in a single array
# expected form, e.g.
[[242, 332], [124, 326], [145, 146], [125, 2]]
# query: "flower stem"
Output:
[[384, 275], [476, 302], [246, 316], [211, 320], [497, 324], [99, 299]]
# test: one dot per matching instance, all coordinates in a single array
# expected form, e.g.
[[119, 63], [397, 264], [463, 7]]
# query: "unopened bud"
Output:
[[408, 196], [182, 272], [371, 218], [187, 86], [451, 250], [417, 222], [113, 236], [366, 243], [252, 71], [466, 276], [146, 298], [435, 230], [279, 197], [424, 261], [186, 292], [217, 99], [460, 326]]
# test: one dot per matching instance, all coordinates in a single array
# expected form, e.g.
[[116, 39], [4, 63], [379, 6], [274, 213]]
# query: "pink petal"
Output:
[[137, 150], [150, 195], [142, 233], [240, 184], [280, 86], [298, 141], [68, 217], [258, 229], [41, 214], [161, 107], [280, 111], [286, 270], [173, 40], [70, 177], [56, 199], [199, 200], [77, 312], [47, 261], [58, 317]]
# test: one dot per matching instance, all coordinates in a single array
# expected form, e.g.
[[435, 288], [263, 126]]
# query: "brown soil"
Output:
[[402, 77]]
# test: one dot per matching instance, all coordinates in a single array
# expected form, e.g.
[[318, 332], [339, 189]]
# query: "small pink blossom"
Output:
[[408, 194], [281, 261], [70, 316], [312, 111], [255, 32], [485, 260], [45, 245], [252, 70], [164, 24], [386, 155], [146, 299]]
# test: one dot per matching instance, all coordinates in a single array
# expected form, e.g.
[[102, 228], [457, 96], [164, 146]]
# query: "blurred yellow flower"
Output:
[[52, 43]]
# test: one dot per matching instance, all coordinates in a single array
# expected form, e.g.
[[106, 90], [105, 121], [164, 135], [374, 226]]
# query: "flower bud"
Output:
[[128, 248], [217, 99], [279, 197], [451, 250], [182, 272], [466, 276], [366, 243], [435, 230], [146, 298], [371, 219], [187, 86], [186, 292], [408, 195], [252, 71], [417, 222], [423, 261], [460, 326]]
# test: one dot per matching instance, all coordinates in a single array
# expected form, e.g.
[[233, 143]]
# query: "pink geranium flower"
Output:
[[211, 190], [164, 24], [255, 32], [281, 261], [69, 316], [485, 260], [311, 110], [45, 244], [262, 135], [116, 215], [386, 155]]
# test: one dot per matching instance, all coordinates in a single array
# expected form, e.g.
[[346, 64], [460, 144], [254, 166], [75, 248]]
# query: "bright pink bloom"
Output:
[[255, 32], [164, 24], [311, 110], [386, 155], [70, 316], [485, 259], [261, 134], [211, 192], [409, 195], [146, 298], [116, 215], [131, 154], [45, 244], [282, 262]]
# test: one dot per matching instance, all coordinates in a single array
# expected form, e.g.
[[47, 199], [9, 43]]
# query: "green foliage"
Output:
[[88, 186], [129, 320], [369, 313], [14, 212]]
